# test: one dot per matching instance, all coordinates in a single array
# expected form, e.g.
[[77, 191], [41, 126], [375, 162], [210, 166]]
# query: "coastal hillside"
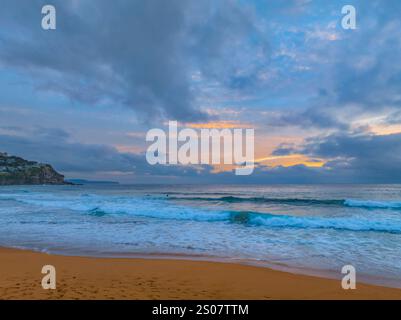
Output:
[[18, 171]]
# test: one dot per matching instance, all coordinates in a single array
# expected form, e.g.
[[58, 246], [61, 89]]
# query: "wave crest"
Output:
[[373, 204], [162, 209], [300, 202]]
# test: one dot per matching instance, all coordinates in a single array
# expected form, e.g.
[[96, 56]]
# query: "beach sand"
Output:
[[115, 278]]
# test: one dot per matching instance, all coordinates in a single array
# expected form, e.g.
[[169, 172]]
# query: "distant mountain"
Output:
[[83, 181], [18, 171]]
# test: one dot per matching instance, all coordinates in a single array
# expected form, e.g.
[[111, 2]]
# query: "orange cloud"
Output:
[[385, 129], [129, 149], [219, 125], [290, 160], [275, 161]]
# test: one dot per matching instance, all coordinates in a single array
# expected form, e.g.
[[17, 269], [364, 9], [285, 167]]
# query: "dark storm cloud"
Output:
[[361, 146], [367, 69], [351, 159], [55, 146], [360, 158], [52, 146], [309, 118], [394, 118], [142, 55], [135, 53]]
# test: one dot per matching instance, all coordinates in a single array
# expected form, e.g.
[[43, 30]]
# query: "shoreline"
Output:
[[267, 264], [154, 278]]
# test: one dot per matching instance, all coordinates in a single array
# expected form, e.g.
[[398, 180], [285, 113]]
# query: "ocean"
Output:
[[311, 229]]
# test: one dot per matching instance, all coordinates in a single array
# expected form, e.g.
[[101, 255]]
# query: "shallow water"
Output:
[[306, 228]]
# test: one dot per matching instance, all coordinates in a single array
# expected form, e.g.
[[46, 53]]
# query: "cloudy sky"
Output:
[[325, 102]]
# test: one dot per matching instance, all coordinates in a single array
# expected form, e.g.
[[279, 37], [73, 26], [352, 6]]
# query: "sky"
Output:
[[325, 102]]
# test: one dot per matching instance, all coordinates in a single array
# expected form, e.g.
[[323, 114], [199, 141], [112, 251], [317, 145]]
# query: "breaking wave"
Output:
[[152, 208], [300, 202]]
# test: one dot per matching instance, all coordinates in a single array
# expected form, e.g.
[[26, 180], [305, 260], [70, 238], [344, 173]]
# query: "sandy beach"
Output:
[[115, 278]]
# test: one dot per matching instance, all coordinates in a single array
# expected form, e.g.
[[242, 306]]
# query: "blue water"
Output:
[[308, 229]]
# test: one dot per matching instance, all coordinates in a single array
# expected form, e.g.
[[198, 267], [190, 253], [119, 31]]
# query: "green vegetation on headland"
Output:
[[18, 171]]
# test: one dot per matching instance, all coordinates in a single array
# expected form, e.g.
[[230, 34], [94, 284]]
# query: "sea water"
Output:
[[312, 229]]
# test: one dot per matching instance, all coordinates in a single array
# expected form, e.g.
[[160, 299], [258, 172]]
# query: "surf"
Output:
[[372, 204]]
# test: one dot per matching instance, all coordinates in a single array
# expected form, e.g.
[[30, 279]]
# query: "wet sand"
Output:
[[121, 278]]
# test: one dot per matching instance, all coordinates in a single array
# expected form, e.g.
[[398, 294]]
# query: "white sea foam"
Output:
[[156, 208], [293, 226], [373, 204]]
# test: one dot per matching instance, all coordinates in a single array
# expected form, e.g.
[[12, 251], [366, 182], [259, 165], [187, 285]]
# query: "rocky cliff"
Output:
[[15, 170]]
